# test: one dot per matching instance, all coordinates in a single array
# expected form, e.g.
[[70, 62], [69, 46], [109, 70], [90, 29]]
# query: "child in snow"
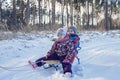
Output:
[[61, 50], [72, 33]]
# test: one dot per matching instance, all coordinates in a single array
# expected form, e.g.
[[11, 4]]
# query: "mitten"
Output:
[[66, 60], [48, 54]]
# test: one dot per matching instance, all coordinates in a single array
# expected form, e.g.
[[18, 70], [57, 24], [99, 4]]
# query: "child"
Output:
[[61, 50], [72, 33]]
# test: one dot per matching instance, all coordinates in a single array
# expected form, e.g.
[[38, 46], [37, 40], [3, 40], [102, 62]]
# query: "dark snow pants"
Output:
[[66, 66]]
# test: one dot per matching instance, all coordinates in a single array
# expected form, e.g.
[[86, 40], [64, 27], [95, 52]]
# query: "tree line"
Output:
[[29, 15]]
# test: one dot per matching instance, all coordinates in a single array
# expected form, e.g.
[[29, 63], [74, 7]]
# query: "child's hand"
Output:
[[66, 60], [48, 54]]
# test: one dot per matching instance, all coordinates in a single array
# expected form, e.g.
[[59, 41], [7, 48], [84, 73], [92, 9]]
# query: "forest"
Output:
[[39, 15]]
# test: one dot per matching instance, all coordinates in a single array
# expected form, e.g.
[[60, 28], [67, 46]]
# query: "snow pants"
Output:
[[66, 66]]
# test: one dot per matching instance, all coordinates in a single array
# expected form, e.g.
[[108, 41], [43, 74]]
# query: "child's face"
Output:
[[60, 37], [70, 31]]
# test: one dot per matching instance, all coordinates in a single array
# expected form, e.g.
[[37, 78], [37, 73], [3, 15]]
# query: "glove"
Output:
[[48, 54], [66, 61]]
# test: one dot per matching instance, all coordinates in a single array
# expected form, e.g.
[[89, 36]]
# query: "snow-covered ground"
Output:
[[100, 57]]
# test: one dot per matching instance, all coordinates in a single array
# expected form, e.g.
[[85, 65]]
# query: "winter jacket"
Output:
[[75, 39], [64, 47]]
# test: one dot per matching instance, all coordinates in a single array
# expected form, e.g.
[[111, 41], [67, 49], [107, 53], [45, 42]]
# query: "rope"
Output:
[[14, 68]]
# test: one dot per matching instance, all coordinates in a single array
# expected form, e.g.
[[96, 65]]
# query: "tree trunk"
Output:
[[79, 15], [88, 17], [22, 8], [14, 15], [49, 15], [92, 13], [67, 13], [53, 12], [106, 14], [1, 11], [62, 11], [44, 21], [39, 6], [111, 15], [27, 12], [34, 14], [71, 11]]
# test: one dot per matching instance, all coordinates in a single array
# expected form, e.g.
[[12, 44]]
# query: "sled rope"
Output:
[[13, 68]]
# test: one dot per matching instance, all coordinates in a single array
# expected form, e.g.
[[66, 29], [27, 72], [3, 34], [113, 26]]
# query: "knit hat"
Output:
[[74, 28], [61, 31]]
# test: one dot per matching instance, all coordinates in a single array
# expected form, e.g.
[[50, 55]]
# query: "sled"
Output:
[[51, 63], [47, 64]]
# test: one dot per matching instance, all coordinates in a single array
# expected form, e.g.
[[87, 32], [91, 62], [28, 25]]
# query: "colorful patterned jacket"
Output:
[[64, 47]]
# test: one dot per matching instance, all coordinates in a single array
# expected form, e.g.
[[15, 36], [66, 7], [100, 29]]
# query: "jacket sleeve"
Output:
[[52, 50], [76, 40]]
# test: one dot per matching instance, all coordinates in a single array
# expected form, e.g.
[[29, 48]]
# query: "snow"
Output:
[[99, 57]]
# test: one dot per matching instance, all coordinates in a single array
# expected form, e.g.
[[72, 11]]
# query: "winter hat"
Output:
[[74, 28], [65, 28], [61, 31]]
